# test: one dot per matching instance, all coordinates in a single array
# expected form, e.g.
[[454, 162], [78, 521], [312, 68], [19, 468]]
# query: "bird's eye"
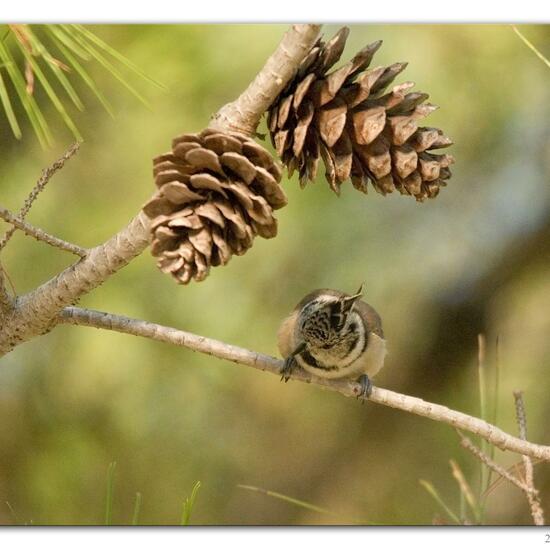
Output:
[[337, 321]]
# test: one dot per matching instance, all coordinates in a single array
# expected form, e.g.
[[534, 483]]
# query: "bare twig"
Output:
[[480, 455], [37, 312], [47, 173], [40, 234], [243, 114], [202, 344], [6, 301], [532, 496]]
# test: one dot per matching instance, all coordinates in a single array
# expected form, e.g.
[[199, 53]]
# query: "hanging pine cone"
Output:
[[359, 131], [216, 192]]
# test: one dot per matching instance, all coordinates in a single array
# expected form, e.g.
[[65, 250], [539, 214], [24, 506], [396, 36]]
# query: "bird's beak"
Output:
[[350, 300]]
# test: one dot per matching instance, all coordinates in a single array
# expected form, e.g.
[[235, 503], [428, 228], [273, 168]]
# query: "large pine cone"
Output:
[[359, 131], [217, 191]]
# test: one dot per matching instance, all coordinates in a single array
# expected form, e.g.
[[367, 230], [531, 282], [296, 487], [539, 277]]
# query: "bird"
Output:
[[332, 335]]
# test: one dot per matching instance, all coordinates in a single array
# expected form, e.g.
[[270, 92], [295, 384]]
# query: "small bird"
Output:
[[333, 335]]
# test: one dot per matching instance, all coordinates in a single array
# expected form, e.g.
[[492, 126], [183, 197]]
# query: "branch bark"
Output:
[[39, 234], [202, 344], [37, 312], [244, 114]]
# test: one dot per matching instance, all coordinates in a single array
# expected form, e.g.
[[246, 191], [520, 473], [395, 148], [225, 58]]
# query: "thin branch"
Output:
[[202, 344], [244, 114], [497, 468], [37, 312], [6, 301], [40, 234], [532, 496], [47, 173]]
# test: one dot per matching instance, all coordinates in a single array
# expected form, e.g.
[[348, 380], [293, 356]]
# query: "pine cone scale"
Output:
[[318, 112]]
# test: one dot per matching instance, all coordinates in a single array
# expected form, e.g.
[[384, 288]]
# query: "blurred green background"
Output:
[[476, 259]]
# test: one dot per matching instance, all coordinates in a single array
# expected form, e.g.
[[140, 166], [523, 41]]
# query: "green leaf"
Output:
[[50, 92], [189, 503], [106, 64], [34, 113], [8, 109], [117, 55], [81, 71], [110, 492], [137, 509]]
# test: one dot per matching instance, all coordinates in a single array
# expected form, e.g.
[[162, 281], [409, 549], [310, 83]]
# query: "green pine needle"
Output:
[[531, 46], [78, 68], [104, 62], [10, 114], [34, 113], [137, 509], [76, 45], [118, 56], [50, 91], [435, 495], [189, 503], [110, 493]]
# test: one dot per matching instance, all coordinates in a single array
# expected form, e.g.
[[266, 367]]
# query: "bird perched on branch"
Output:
[[333, 335]]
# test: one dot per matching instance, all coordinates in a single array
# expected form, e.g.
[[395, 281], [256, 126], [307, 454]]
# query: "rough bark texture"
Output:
[[36, 313], [243, 115]]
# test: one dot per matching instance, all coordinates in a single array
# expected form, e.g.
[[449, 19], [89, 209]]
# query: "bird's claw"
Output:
[[287, 368], [366, 387]]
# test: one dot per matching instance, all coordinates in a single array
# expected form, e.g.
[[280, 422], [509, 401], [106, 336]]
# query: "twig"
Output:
[[47, 173], [6, 301], [40, 234], [480, 455], [243, 114], [202, 344], [532, 496]]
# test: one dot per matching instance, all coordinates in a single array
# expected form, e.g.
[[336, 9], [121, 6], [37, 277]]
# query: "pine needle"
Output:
[[189, 503], [531, 46]]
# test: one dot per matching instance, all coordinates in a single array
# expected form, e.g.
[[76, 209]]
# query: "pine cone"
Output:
[[359, 131], [217, 191]]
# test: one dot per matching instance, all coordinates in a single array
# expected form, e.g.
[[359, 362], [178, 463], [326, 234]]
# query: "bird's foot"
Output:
[[366, 387], [287, 368]]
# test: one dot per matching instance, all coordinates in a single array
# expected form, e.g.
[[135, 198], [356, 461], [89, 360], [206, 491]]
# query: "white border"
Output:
[[182, 11]]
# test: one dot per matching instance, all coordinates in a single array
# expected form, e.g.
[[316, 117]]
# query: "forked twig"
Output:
[[47, 173], [40, 234], [532, 496]]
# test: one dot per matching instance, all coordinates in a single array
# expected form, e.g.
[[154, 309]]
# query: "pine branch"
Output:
[[47, 173], [244, 114], [40, 234], [221, 350], [37, 312]]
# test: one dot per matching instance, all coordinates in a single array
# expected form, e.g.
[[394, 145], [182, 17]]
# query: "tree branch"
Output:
[[244, 114], [39, 234], [45, 177], [202, 344], [532, 495], [37, 312], [497, 468]]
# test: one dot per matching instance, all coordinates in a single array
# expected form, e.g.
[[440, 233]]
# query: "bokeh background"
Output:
[[475, 260]]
